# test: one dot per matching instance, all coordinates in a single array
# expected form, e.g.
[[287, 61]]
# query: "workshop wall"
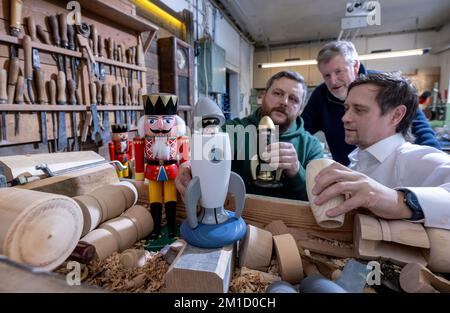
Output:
[[363, 46], [208, 21]]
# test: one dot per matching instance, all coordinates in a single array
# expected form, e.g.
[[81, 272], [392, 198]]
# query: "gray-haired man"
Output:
[[339, 65]]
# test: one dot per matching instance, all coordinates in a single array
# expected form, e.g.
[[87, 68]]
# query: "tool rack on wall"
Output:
[[115, 22]]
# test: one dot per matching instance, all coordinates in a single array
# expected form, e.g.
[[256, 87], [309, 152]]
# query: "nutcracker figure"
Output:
[[161, 145], [121, 149]]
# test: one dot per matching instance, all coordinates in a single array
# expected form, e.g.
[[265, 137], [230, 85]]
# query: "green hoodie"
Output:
[[307, 146]]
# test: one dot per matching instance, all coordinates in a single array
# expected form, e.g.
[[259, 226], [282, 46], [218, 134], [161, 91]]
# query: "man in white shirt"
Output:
[[392, 178]]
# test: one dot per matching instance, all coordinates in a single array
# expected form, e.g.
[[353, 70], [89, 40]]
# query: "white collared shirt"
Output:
[[424, 170]]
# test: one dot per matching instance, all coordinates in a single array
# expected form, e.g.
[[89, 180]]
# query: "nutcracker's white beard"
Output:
[[160, 149], [123, 146]]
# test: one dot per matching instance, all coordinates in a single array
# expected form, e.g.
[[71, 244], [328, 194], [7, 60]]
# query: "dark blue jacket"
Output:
[[324, 112]]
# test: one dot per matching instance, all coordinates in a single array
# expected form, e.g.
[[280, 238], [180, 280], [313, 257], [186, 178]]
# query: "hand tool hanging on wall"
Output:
[[83, 43], [109, 53], [116, 94], [140, 57], [128, 54], [54, 28], [71, 88], [99, 86], [3, 99], [118, 58], [18, 98], [42, 35], [71, 46], [28, 66], [96, 135], [13, 75], [15, 25], [94, 37], [62, 22], [122, 59], [125, 103], [106, 94], [133, 103], [101, 66], [41, 99], [61, 100], [114, 56], [52, 101]]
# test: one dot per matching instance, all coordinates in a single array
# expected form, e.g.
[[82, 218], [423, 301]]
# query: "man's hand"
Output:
[[183, 178], [360, 191], [284, 156]]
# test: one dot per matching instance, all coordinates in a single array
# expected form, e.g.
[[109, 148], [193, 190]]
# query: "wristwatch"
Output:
[[413, 204]]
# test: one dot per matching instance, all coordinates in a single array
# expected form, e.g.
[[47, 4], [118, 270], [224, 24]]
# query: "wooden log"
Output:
[[416, 278], [76, 183], [369, 245], [289, 260], [38, 229], [201, 270], [22, 278], [255, 250], [438, 256]]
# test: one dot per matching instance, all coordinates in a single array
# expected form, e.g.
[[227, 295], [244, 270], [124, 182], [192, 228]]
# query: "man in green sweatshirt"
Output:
[[284, 96]]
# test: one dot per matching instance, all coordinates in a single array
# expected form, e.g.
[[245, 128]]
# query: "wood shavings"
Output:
[[250, 281], [111, 275], [331, 242]]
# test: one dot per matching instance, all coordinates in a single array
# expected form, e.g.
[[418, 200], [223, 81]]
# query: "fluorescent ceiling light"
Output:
[[363, 57]]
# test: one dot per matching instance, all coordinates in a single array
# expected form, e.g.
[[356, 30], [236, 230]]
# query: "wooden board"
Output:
[[77, 183], [18, 164], [293, 213]]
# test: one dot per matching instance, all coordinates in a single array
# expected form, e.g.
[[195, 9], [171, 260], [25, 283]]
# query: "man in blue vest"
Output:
[[339, 65]]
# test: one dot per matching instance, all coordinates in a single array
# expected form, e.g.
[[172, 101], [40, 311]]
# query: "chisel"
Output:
[[41, 99], [71, 89], [61, 100], [106, 101], [52, 101], [3, 100]]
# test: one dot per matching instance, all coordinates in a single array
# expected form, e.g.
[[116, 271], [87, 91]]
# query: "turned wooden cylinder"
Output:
[[123, 229], [130, 192], [142, 218], [438, 256], [92, 212], [289, 260], [39, 229], [255, 250], [104, 241], [312, 169], [114, 199]]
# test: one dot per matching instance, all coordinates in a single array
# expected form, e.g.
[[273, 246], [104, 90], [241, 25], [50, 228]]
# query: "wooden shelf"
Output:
[[64, 108], [41, 108], [70, 53], [126, 19], [119, 108]]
